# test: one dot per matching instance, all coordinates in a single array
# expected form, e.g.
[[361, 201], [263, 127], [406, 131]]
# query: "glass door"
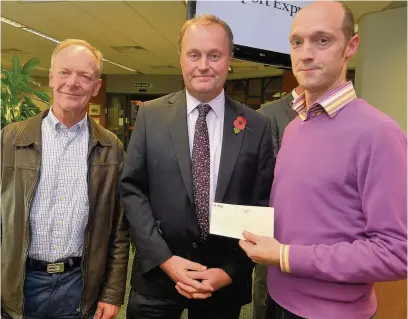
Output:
[[122, 112], [116, 115]]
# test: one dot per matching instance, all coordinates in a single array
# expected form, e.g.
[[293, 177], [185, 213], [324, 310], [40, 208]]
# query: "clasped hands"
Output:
[[193, 280]]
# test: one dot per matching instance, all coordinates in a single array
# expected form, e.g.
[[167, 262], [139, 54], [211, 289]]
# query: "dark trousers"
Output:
[[141, 306], [260, 292], [49, 296], [274, 311]]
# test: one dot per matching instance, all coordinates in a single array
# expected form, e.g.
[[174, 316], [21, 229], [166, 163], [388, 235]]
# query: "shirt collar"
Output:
[[294, 94], [332, 102], [57, 126], [217, 104]]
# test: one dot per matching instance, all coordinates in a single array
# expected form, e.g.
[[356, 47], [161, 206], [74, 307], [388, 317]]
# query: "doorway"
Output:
[[121, 113]]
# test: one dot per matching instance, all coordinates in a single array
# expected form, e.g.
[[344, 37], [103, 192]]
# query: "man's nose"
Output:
[[203, 63], [306, 52], [72, 80]]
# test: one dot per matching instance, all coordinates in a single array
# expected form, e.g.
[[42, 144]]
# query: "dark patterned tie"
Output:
[[201, 170]]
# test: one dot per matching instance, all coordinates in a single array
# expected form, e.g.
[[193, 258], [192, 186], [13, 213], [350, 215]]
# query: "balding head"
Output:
[[322, 43], [338, 11]]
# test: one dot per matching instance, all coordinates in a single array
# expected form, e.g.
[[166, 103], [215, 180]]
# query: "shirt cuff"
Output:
[[284, 258]]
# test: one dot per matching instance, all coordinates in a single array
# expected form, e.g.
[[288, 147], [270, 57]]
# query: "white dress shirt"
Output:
[[215, 124], [60, 207]]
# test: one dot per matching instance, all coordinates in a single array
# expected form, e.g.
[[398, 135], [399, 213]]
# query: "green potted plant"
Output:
[[17, 92]]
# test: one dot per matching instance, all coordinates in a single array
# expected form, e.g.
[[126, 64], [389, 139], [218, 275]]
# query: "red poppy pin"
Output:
[[240, 124]]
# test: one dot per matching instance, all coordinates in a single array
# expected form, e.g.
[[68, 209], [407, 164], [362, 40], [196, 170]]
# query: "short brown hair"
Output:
[[71, 42], [348, 23], [207, 19]]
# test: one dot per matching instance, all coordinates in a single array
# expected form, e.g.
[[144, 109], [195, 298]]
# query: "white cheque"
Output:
[[230, 220]]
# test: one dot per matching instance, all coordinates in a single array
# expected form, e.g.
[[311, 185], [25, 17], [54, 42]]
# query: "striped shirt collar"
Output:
[[332, 102], [294, 94], [56, 125]]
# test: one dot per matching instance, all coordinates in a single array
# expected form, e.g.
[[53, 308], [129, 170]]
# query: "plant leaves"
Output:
[[30, 65], [17, 94], [15, 65], [42, 96]]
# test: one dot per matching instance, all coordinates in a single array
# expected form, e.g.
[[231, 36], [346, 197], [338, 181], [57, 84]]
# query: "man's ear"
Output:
[[97, 87], [352, 46]]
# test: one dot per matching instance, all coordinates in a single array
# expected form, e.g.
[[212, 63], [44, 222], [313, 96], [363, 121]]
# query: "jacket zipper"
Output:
[[28, 228], [86, 243]]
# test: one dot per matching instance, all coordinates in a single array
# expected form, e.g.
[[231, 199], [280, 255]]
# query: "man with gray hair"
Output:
[[65, 240]]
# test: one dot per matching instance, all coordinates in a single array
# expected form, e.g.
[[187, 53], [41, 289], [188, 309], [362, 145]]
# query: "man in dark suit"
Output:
[[281, 114], [188, 150]]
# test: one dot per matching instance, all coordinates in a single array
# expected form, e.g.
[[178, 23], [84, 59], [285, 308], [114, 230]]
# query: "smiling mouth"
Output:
[[70, 94], [204, 77]]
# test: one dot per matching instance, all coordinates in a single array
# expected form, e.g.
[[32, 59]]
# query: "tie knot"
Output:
[[203, 109]]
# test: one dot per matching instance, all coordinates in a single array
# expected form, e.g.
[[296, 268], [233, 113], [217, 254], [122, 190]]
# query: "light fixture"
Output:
[[13, 23], [18, 25], [42, 35], [121, 66]]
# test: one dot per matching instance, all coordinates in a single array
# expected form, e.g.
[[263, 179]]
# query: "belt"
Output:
[[55, 267]]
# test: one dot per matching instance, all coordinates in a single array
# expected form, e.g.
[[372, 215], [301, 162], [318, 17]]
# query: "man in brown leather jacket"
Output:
[[64, 237]]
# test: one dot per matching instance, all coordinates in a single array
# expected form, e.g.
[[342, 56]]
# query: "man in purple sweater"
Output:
[[340, 189]]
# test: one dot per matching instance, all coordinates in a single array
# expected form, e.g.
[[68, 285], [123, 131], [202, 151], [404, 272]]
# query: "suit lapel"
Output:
[[291, 113], [176, 113], [231, 146]]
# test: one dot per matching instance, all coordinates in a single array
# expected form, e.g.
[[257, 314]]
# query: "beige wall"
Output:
[[381, 79], [381, 70]]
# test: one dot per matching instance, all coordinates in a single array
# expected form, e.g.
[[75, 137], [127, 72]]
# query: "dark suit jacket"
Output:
[[281, 114], [157, 192]]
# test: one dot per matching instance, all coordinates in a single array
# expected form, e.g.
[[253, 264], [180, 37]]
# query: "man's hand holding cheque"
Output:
[[261, 249]]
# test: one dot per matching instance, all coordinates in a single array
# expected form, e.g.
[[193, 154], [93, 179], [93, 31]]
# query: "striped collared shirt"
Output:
[[60, 207], [331, 102]]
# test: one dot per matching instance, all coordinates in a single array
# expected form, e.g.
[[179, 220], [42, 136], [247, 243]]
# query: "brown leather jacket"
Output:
[[106, 246]]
